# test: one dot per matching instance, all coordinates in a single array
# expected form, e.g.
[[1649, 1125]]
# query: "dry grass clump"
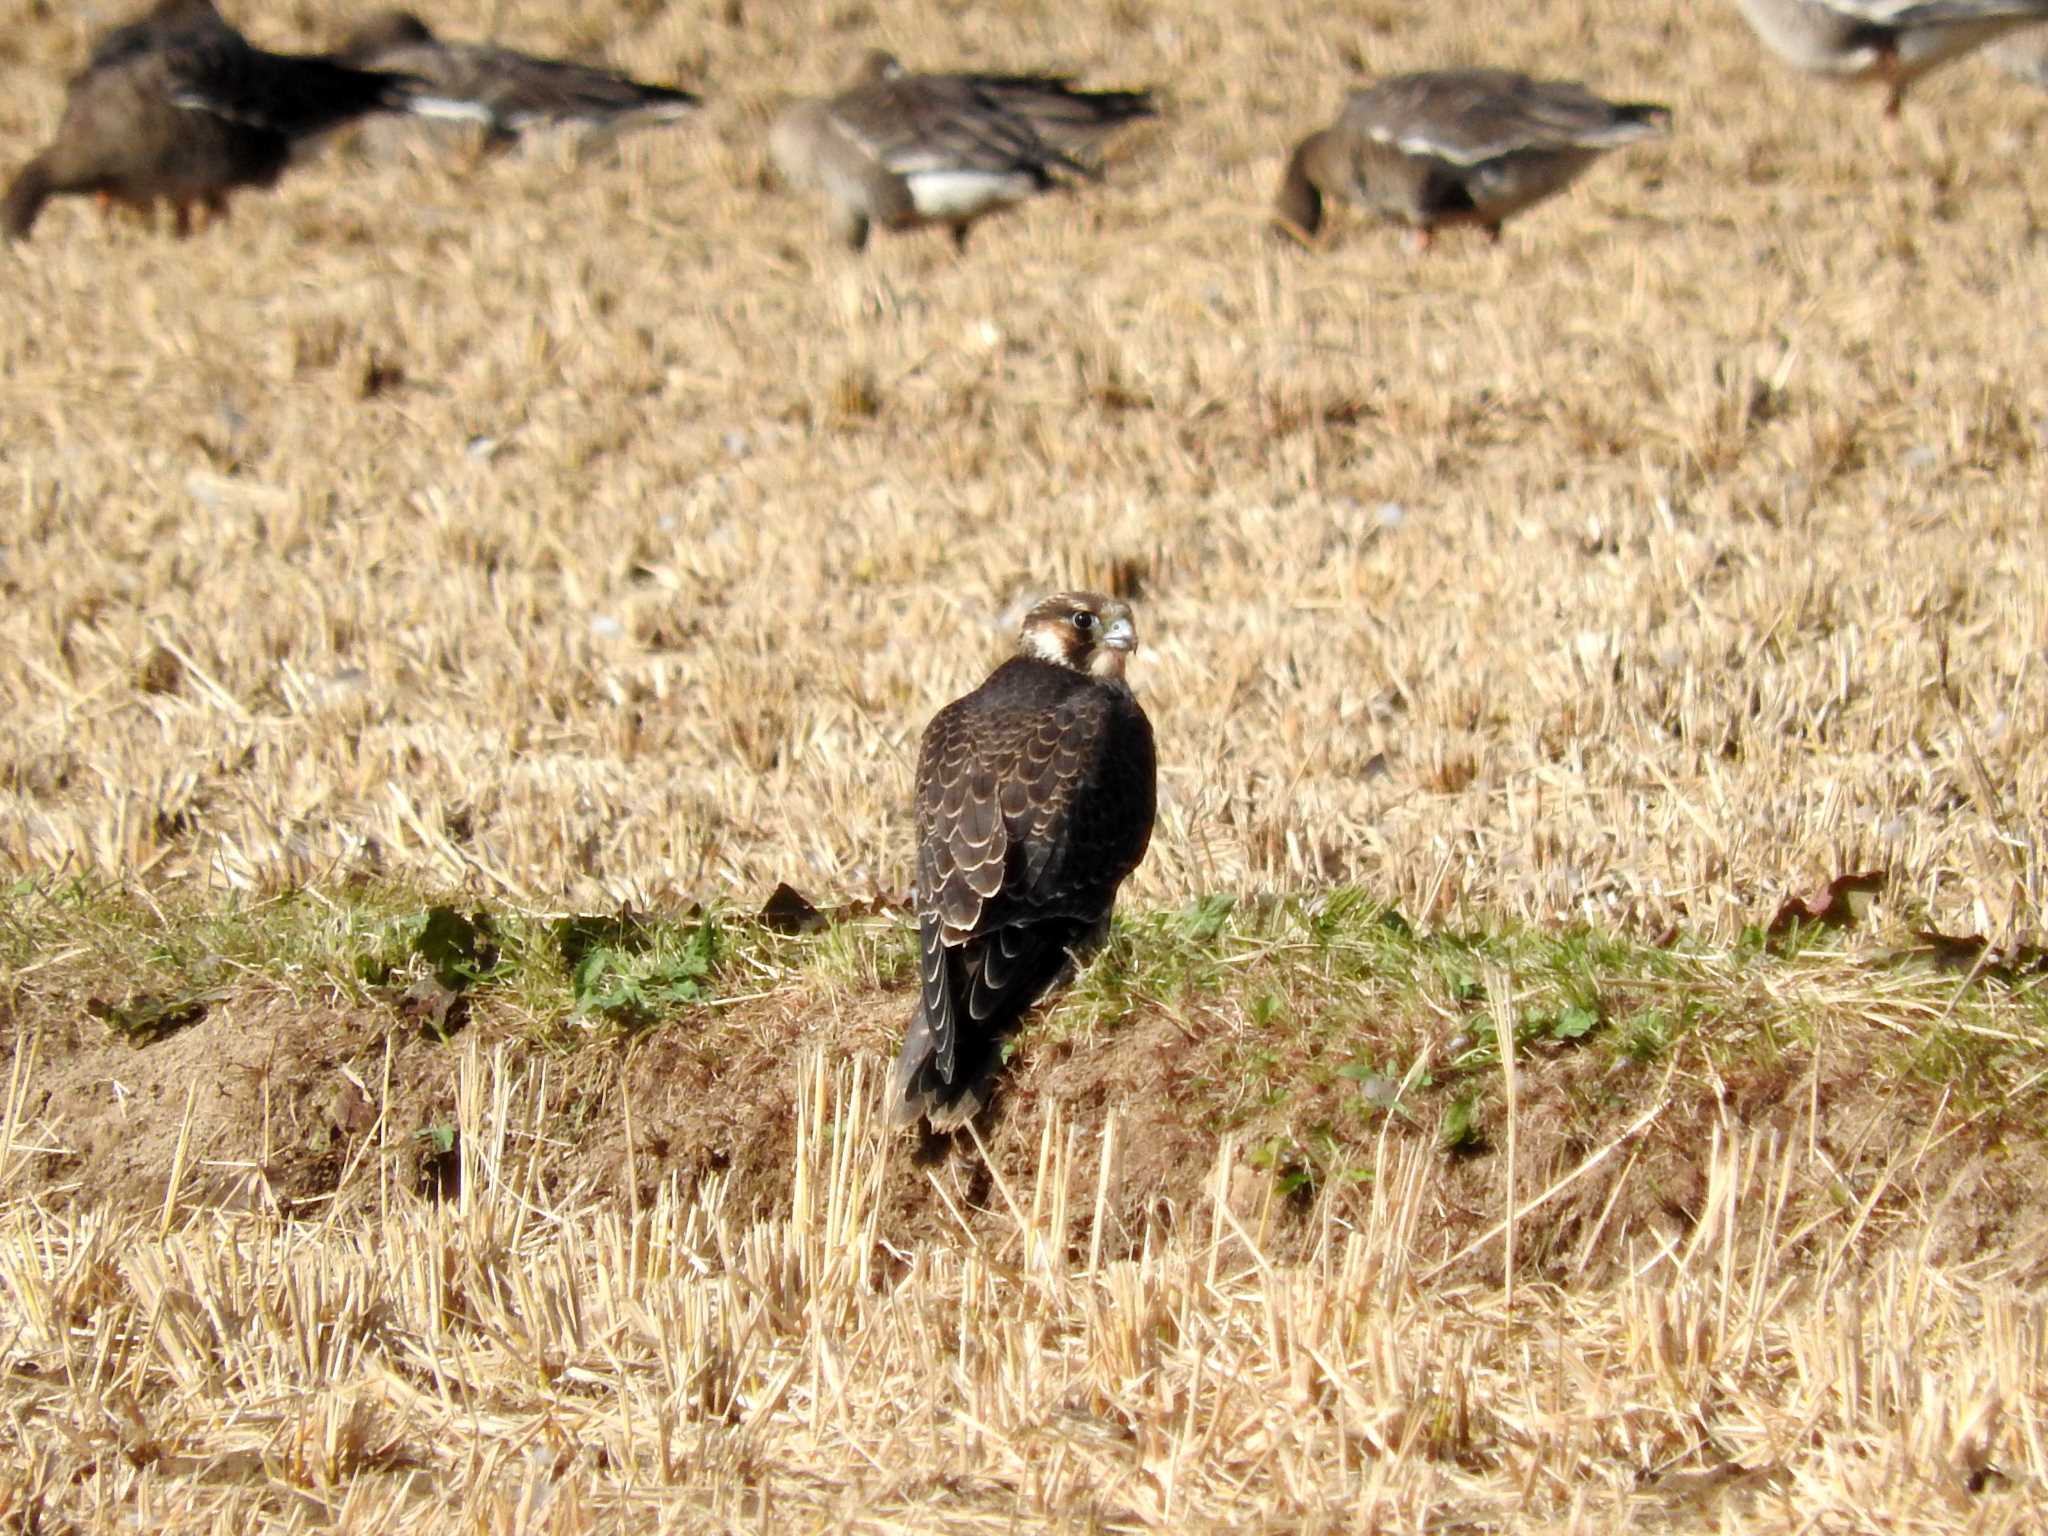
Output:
[[494, 1362], [594, 533]]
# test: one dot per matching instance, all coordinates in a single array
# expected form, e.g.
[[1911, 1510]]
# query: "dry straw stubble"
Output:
[[493, 1364], [510, 525]]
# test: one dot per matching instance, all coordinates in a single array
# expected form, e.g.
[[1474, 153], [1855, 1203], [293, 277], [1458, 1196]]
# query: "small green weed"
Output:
[[632, 984]]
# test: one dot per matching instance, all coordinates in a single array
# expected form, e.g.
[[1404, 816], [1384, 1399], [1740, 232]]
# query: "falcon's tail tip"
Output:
[[918, 1092]]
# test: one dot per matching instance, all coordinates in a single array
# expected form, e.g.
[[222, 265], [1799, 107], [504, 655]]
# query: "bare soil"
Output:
[[311, 1111]]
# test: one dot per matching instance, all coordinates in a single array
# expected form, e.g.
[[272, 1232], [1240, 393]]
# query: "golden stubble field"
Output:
[[606, 534], [580, 535]]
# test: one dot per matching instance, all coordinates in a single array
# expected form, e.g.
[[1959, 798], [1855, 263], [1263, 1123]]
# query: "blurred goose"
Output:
[[1070, 119], [1895, 41], [904, 150], [177, 105], [1471, 146], [2024, 56], [516, 91]]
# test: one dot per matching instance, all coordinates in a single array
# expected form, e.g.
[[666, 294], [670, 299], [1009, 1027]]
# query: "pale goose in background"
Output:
[[2024, 56], [1893, 41], [1067, 118], [178, 106], [1456, 146], [905, 150], [517, 90]]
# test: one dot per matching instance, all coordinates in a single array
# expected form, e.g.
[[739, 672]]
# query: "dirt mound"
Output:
[[257, 1102]]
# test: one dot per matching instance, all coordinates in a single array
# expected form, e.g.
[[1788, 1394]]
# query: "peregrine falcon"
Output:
[[1035, 798]]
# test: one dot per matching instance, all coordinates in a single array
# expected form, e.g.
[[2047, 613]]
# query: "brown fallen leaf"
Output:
[[1842, 902], [789, 911], [1974, 952], [437, 1008], [349, 1109]]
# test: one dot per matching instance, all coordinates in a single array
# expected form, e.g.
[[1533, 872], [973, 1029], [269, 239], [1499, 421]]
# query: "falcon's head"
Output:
[[1082, 630]]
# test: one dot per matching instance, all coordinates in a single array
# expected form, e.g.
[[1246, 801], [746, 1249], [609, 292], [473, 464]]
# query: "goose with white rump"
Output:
[[1456, 146], [904, 150]]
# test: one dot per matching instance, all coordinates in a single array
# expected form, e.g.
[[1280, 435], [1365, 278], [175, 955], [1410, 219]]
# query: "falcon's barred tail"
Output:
[[916, 1088], [919, 1085], [948, 1099], [972, 999]]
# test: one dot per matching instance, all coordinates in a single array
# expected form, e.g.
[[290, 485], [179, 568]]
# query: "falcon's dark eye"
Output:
[[1084, 621]]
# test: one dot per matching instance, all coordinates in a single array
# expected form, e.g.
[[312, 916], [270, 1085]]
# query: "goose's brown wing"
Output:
[[522, 90], [288, 94], [918, 123], [1467, 116], [1063, 116]]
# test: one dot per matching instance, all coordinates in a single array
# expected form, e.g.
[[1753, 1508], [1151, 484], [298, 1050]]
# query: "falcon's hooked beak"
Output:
[[1119, 639]]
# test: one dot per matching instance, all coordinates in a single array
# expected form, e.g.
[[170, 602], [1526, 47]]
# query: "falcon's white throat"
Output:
[[1107, 663], [1117, 642]]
